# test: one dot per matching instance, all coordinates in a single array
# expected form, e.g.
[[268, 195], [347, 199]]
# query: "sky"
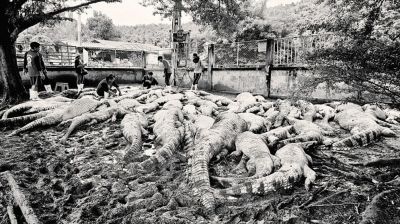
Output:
[[130, 12]]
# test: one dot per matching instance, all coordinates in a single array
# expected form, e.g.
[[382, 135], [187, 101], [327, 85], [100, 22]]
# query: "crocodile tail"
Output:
[[133, 149], [44, 121], [188, 147], [360, 139], [16, 109], [280, 180], [10, 122], [163, 155], [76, 122], [200, 177], [303, 138]]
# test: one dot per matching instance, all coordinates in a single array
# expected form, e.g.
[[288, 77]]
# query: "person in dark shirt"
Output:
[[80, 72], [105, 86], [167, 70], [149, 80], [35, 67]]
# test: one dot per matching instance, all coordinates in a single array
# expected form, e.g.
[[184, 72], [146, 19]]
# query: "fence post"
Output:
[[237, 55], [269, 61], [211, 60]]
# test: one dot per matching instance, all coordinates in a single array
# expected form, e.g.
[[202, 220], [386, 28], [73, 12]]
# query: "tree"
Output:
[[365, 50], [102, 26], [222, 15], [15, 17]]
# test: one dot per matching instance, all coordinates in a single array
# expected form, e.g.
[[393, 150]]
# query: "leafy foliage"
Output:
[[366, 52], [102, 26]]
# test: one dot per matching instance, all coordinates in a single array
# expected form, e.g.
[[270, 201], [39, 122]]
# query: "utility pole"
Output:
[[79, 27], [180, 42]]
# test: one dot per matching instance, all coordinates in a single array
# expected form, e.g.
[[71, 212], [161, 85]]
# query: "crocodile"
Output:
[[129, 104], [393, 115], [308, 110], [173, 104], [273, 136], [260, 98], [284, 110], [169, 97], [219, 100], [211, 142], [363, 126], [133, 127], [294, 165], [353, 118], [271, 114], [305, 130], [169, 129], [260, 162], [58, 115], [206, 107], [32, 107], [375, 111], [99, 116], [132, 95], [22, 120], [192, 136], [256, 124], [147, 108], [246, 101], [327, 112]]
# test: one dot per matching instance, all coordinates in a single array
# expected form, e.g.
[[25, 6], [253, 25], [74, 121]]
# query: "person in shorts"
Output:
[[198, 70], [35, 67]]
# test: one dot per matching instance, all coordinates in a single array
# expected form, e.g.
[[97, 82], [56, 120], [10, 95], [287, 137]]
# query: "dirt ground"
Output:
[[86, 181]]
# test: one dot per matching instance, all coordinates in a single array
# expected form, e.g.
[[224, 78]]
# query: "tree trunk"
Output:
[[11, 88]]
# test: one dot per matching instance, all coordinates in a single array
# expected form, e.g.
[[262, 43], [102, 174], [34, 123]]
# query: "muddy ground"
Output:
[[86, 181]]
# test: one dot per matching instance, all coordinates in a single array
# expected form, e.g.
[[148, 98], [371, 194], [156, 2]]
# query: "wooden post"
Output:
[[22, 202], [269, 61], [211, 61]]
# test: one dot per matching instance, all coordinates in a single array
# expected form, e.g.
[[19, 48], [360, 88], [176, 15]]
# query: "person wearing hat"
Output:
[[149, 80], [105, 86], [80, 71], [35, 67]]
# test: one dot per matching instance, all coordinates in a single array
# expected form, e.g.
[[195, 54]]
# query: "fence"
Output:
[[292, 51], [64, 55], [57, 55], [289, 51], [241, 54], [106, 58]]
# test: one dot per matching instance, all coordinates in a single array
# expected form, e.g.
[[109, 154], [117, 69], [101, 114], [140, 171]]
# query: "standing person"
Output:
[[35, 67], [198, 70], [167, 70], [80, 72], [105, 86], [149, 80]]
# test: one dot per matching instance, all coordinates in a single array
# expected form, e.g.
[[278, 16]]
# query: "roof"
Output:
[[117, 45]]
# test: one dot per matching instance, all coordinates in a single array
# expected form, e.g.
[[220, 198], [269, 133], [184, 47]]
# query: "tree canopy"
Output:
[[17, 16], [365, 53], [102, 26]]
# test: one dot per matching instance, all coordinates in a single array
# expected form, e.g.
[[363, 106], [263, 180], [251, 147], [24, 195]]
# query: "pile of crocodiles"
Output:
[[268, 139]]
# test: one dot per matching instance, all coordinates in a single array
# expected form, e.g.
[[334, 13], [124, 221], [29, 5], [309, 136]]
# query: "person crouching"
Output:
[[104, 87], [149, 80]]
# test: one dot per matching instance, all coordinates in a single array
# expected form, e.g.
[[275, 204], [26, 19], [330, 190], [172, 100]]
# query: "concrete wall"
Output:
[[240, 80], [286, 83], [68, 75]]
